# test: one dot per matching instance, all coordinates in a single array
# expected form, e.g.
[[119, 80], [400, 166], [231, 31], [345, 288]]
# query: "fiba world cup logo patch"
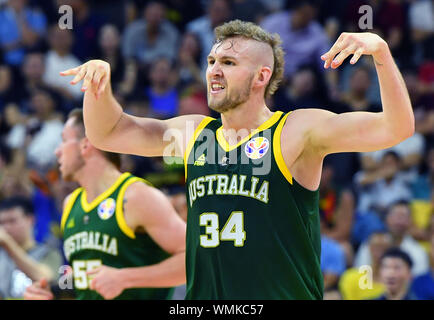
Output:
[[257, 147], [106, 208]]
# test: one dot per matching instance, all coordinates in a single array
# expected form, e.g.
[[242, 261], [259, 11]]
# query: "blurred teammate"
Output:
[[121, 236], [252, 176]]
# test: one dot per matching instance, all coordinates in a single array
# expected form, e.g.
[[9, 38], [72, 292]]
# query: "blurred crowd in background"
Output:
[[369, 202]]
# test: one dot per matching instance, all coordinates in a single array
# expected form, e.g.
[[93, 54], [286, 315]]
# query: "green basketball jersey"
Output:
[[96, 234], [252, 231]]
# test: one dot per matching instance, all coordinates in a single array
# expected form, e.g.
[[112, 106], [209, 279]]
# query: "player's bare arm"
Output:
[[110, 129], [147, 209], [321, 132]]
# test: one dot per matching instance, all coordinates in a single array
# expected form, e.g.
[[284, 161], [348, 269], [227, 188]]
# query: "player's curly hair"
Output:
[[249, 30]]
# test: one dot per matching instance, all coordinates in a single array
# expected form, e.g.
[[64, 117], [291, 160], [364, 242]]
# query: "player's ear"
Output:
[[264, 75], [85, 145]]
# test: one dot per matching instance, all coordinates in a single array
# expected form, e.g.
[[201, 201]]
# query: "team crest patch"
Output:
[[106, 208], [257, 147]]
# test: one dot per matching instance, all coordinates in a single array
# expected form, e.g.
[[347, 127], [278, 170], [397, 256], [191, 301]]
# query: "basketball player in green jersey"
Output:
[[122, 237], [252, 233]]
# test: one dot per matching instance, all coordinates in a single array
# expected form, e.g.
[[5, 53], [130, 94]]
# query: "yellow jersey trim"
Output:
[[190, 144], [120, 218], [225, 145], [68, 207], [90, 206], [278, 150]]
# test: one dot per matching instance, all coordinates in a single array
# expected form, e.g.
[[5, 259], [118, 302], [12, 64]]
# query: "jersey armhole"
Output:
[[192, 140], [68, 207], [277, 150], [120, 217]]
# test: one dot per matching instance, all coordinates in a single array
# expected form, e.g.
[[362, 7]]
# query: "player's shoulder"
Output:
[[306, 118], [191, 121], [140, 190], [72, 196]]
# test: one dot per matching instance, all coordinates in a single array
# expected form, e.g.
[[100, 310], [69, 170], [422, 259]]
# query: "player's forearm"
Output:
[[397, 109], [26, 264], [100, 115], [168, 273]]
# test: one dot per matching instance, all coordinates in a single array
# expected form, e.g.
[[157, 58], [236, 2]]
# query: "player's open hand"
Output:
[[39, 290], [356, 44], [95, 73], [106, 281]]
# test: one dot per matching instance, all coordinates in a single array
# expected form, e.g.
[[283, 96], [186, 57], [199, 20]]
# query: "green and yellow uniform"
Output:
[[96, 234], [252, 231]]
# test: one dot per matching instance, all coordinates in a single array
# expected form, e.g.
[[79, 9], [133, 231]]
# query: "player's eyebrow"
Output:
[[222, 57]]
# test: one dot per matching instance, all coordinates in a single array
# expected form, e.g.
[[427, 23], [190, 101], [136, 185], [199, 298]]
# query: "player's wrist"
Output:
[[382, 54], [124, 276]]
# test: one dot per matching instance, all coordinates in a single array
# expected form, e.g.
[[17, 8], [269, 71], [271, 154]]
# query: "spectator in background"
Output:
[[398, 221], [110, 51], [217, 12], [60, 58], [363, 282], [162, 94], [21, 29], [7, 92], [150, 37], [356, 98], [181, 12], [22, 260], [44, 131], [421, 20], [332, 264], [336, 207], [395, 273], [87, 25], [422, 100], [303, 90], [380, 188], [188, 62], [422, 204], [409, 152], [32, 71], [249, 10], [423, 285], [303, 39]]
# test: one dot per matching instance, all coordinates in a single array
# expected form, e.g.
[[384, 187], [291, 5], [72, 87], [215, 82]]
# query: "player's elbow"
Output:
[[406, 130]]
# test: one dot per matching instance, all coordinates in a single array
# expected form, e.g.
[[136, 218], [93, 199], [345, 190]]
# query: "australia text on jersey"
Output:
[[223, 184], [90, 240]]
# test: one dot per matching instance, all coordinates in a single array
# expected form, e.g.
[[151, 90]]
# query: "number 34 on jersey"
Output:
[[233, 230]]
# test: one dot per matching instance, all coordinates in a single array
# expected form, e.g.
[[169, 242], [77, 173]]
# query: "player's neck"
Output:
[[96, 177], [246, 116]]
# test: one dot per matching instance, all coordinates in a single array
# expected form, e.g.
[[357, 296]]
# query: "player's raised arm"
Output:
[[363, 131], [109, 128]]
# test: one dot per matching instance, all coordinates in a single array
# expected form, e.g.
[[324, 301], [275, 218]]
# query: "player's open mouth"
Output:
[[217, 87]]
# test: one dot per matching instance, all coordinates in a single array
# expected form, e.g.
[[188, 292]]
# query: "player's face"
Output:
[[229, 74], [68, 153]]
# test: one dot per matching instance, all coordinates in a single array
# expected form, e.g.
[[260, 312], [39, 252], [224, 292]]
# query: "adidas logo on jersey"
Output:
[[71, 224], [200, 161]]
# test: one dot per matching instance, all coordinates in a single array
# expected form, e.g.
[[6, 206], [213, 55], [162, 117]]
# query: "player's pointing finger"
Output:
[[70, 72]]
